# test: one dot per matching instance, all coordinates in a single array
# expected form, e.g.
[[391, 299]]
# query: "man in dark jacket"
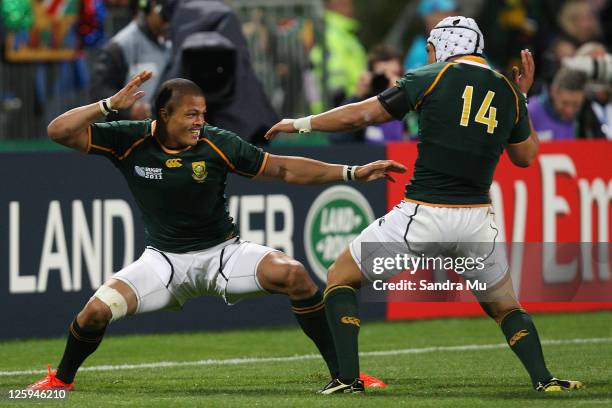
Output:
[[141, 45]]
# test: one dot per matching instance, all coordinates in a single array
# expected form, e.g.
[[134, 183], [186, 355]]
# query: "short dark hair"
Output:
[[172, 89], [569, 80], [382, 52]]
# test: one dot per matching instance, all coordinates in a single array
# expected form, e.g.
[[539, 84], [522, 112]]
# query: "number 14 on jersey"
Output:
[[486, 113]]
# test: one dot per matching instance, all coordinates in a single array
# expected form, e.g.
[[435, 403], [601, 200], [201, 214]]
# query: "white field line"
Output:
[[258, 360]]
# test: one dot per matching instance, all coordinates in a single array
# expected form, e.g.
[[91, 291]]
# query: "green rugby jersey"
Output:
[[181, 193], [468, 114]]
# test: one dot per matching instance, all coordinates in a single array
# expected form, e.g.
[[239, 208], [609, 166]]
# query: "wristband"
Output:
[[303, 125], [105, 107], [348, 173]]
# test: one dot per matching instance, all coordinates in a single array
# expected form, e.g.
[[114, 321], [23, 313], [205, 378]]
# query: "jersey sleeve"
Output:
[[242, 157], [115, 139], [521, 130], [410, 90]]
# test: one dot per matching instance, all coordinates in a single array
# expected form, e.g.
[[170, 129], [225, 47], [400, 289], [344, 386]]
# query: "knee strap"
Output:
[[114, 300]]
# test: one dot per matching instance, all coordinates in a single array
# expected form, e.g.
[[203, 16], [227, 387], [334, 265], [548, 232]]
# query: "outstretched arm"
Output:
[[300, 170], [70, 128], [347, 117]]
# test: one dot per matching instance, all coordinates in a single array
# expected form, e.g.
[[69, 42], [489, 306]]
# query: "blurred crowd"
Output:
[[570, 40], [258, 64]]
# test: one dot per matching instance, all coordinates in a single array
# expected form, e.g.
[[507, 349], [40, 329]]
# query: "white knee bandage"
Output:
[[114, 300]]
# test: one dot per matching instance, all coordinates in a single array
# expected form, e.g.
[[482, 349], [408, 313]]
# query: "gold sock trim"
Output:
[[81, 338], [308, 308], [332, 288], [501, 321], [313, 309]]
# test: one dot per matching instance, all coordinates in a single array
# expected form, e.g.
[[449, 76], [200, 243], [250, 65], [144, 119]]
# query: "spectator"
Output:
[[554, 113], [431, 12], [559, 49], [345, 59], [384, 69], [509, 28], [209, 48], [595, 119], [141, 45], [578, 22]]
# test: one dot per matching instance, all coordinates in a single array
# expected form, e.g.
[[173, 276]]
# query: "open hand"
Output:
[[523, 77], [129, 94], [284, 126], [379, 169]]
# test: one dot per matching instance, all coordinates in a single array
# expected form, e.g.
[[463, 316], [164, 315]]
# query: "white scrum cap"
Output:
[[455, 36]]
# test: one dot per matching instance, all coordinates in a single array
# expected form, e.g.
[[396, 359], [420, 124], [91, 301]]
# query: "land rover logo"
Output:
[[337, 216]]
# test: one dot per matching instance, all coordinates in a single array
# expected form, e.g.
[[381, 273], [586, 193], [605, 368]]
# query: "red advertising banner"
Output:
[[564, 197]]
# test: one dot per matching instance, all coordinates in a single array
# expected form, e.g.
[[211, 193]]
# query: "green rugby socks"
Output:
[[80, 345], [523, 339], [310, 314], [343, 318]]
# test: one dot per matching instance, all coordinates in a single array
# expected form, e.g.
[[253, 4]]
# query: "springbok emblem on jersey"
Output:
[[199, 171]]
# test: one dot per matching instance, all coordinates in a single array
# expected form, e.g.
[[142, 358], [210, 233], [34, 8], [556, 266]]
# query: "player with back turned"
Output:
[[468, 115], [176, 168]]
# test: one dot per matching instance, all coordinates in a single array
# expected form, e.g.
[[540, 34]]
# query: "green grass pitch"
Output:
[[454, 376]]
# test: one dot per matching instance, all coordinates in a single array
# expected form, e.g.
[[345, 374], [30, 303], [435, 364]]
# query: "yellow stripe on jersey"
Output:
[[88, 139], [220, 153], [434, 83], [129, 149], [104, 149], [264, 163], [228, 162], [132, 147], [515, 97], [90, 145], [475, 58]]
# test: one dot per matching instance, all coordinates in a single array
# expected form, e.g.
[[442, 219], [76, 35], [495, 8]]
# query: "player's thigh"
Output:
[[144, 281], [238, 279], [480, 245], [408, 229]]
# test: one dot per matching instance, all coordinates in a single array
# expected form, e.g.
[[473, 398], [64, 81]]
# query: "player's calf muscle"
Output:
[[344, 272]]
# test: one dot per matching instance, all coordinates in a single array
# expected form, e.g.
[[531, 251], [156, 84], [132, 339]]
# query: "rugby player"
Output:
[[176, 168], [468, 115]]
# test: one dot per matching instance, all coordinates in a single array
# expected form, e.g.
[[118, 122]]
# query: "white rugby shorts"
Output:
[[165, 280], [435, 231]]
